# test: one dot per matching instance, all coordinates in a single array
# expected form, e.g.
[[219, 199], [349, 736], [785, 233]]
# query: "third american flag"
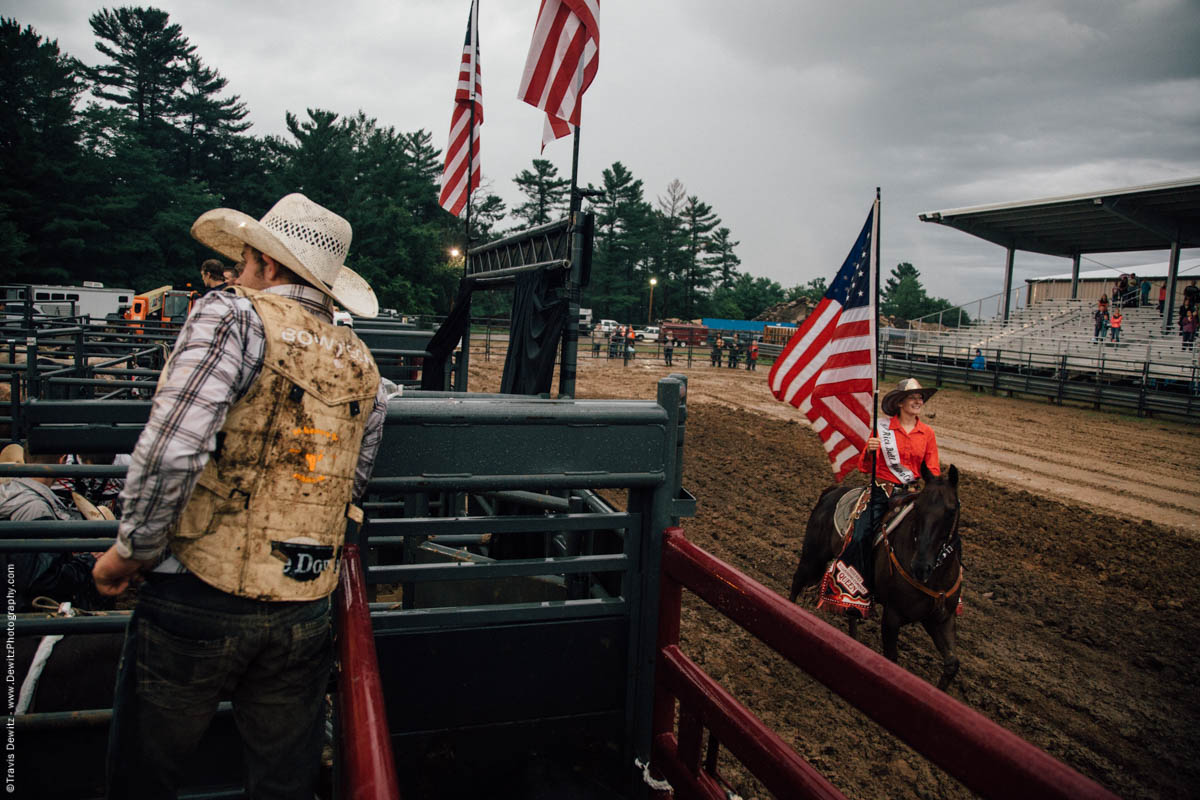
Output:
[[827, 369], [462, 153]]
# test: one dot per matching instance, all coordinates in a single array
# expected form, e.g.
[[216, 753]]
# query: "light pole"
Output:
[[650, 311]]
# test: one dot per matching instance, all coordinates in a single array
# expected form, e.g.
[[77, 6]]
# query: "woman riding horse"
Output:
[[902, 445]]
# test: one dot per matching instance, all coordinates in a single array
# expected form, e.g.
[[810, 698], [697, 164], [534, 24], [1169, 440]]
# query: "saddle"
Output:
[[854, 502]]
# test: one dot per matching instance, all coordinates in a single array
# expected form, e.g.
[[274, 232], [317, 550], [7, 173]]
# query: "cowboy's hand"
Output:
[[113, 572], [872, 444]]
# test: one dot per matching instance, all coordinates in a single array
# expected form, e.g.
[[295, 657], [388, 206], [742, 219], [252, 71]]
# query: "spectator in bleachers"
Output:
[[1162, 298], [1103, 303], [1114, 324], [1101, 318], [1144, 289], [1191, 295], [978, 362], [1187, 329]]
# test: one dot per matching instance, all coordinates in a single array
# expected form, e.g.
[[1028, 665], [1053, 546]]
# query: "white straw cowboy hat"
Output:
[[891, 400], [308, 239]]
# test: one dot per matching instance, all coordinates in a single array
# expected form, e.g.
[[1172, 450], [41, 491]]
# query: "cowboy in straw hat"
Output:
[[260, 441], [309, 241], [894, 456]]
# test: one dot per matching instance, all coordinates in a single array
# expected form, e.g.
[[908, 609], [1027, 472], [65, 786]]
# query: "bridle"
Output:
[[948, 547]]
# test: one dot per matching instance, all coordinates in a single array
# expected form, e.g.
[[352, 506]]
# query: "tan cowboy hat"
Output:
[[12, 454], [891, 400], [308, 239]]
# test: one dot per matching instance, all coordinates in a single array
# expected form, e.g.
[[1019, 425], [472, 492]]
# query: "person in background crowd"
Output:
[[752, 356], [212, 273], [733, 353], [668, 349], [1191, 295], [1162, 298], [1114, 324], [235, 602], [1187, 329], [1144, 289], [1101, 327], [714, 358], [1102, 304], [978, 362], [1131, 290]]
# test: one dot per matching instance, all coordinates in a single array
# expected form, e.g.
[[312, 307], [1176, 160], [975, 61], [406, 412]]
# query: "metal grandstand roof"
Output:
[[1146, 217]]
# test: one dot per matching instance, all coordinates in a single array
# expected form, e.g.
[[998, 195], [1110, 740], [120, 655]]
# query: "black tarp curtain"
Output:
[[538, 321], [444, 340], [538, 318]]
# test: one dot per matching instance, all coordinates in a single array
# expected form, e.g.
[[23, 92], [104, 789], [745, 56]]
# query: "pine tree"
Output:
[[546, 192], [149, 65], [39, 157], [722, 257], [698, 223]]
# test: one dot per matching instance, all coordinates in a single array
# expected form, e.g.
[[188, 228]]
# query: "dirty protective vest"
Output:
[[268, 515]]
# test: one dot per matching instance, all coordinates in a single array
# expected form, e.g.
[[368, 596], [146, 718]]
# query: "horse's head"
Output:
[[935, 517]]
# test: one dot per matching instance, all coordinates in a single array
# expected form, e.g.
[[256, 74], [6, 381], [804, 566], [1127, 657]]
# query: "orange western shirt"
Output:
[[916, 447]]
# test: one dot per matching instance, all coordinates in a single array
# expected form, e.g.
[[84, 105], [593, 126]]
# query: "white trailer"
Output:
[[92, 299]]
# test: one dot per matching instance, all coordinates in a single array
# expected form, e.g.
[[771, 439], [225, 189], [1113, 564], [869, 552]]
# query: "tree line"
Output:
[[106, 189]]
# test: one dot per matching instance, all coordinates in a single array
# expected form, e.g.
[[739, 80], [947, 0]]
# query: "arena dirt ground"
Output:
[[1082, 548]]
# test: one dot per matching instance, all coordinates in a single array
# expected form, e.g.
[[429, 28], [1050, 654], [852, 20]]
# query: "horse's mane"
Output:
[[826, 491]]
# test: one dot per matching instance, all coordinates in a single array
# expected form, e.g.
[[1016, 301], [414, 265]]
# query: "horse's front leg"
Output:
[[943, 634], [889, 628]]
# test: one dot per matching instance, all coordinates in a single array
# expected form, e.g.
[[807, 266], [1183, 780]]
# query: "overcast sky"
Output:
[[783, 115]]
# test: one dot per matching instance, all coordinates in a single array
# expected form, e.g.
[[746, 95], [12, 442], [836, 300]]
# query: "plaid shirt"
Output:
[[217, 357]]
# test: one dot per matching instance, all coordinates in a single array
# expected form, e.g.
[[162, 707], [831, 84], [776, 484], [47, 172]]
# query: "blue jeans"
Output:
[[190, 646]]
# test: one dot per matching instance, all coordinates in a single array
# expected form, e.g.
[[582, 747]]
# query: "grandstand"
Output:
[[1047, 347]]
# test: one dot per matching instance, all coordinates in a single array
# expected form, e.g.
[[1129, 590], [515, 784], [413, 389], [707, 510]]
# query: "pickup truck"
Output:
[[650, 334]]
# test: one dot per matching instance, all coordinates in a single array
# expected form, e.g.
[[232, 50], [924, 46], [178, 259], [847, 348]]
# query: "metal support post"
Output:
[[1172, 278], [1008, 273]]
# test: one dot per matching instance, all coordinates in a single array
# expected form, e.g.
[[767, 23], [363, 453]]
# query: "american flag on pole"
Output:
[[827, 369], [562, 61], [464, 126]]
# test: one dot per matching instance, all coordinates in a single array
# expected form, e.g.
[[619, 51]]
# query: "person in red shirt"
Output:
[[902, 444]]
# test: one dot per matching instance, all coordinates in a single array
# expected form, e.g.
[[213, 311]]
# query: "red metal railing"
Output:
[[369, 772], [987, 758]]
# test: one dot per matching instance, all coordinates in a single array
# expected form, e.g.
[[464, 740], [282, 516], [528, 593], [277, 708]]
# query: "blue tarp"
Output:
[[714, 323]]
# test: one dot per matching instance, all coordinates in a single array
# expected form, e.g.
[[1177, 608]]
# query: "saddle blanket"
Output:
[[843, 587]]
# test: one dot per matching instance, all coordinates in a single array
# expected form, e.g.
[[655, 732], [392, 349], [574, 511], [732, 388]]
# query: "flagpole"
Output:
[[464, 358], [875, 343], [570, 343]]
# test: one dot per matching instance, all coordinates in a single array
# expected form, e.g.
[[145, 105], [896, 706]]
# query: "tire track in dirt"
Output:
[[1157, 496]]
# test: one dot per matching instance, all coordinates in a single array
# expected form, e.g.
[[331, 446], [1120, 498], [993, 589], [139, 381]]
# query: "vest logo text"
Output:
[[304, 560]]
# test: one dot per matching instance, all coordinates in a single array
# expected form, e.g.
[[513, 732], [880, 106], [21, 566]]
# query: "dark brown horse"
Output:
[[917, 568]]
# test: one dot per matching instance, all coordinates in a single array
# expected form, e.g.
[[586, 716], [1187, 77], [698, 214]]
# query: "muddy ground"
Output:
[[1082, 546]]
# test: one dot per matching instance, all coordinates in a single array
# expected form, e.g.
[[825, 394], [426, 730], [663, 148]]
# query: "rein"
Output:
[[943, 554]]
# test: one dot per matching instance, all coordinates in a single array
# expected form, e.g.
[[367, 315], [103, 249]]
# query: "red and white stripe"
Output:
[[562, 62], [463, 129], [827, 370]]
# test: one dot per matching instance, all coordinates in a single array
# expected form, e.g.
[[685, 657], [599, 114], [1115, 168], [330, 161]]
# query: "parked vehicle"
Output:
[[607, 326], [649, 334], [684, 333], [585, 319], [91, 298]]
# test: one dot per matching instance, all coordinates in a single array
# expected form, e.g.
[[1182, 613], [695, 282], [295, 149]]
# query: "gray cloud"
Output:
[[782, 115]]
